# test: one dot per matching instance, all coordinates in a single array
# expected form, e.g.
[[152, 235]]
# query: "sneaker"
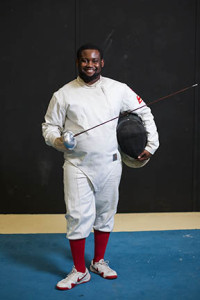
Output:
[[72, 279], [102, 268]]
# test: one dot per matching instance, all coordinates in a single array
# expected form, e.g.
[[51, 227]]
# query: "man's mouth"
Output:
[[89, 74], [89, 71]]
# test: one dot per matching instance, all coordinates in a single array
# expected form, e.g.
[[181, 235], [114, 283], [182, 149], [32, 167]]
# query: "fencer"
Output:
[[92, 161]]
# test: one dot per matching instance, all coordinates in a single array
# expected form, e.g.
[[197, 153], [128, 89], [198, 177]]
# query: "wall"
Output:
[[153, 46]]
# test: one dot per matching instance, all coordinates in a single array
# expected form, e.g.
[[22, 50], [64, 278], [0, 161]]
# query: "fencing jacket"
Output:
[[78, 106]]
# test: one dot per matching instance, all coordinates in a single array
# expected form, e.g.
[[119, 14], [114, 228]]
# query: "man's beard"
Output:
[[87, 78]]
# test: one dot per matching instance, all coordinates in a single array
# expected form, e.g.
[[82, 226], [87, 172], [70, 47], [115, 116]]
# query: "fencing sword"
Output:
[[150, 103], [69, 137]]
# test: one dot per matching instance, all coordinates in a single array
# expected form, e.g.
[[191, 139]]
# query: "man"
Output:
[[92, 170]]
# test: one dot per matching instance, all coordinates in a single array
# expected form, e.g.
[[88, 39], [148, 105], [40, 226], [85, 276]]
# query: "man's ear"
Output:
[[102, 63], [77, 62]]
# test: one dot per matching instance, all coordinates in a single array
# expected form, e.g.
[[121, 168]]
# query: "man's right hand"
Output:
[[59, 145]]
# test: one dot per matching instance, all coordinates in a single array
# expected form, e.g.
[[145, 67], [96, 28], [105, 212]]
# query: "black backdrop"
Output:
[[151, 45]]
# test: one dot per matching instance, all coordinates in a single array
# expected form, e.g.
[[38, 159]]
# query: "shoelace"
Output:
[[105, 263], [73, 271]]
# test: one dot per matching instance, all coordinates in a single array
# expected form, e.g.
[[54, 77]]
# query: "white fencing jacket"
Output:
[[78, 106]]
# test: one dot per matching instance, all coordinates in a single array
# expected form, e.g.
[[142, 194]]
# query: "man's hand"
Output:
[[59, 145], [144, 155]]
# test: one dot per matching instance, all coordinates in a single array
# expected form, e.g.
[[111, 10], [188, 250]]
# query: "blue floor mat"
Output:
[[159, 265]]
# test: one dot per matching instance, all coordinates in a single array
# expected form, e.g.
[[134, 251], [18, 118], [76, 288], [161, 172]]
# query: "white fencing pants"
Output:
[[87, 209]]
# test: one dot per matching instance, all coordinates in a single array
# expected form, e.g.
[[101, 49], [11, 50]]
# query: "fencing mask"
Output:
[[132, 139]]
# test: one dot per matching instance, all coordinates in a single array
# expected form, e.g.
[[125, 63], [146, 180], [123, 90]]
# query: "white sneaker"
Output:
[[72, 279], [102, 268]]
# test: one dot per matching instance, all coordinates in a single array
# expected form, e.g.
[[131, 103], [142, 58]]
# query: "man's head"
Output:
[[90, 62]]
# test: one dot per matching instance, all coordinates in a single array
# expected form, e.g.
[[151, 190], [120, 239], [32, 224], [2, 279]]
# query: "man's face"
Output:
[[90, 65]]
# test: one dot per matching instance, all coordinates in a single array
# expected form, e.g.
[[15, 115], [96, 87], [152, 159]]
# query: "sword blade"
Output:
[[148, 104]]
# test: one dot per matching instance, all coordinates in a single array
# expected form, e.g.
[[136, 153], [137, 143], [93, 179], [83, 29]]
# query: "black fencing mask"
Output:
[[131, 135]]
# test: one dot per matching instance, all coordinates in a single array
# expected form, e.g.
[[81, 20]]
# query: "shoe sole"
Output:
[[85, 279], [102, 274]]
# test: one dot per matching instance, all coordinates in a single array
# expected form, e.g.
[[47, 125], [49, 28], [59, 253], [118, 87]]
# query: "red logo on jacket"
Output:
[[139, 99]]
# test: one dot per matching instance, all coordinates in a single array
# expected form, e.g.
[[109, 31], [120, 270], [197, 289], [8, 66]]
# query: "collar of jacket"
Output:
[[84, 84]]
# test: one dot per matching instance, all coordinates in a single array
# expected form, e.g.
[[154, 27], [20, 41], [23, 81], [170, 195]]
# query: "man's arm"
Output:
[[131, 102], [52, 128]]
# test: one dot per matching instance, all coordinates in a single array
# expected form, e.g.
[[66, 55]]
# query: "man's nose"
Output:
[[90, 63]]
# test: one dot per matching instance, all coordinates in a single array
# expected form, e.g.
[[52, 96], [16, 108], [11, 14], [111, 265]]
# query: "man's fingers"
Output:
[[144, 155]]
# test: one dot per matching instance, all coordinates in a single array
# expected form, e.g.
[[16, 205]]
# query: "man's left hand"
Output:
[[144, 155]]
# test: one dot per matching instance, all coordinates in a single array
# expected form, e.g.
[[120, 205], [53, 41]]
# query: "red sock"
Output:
[[78, 254], [100, 240]]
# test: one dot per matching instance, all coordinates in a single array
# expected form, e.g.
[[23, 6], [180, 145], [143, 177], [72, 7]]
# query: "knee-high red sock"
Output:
[[78, 254], [100, 243]]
